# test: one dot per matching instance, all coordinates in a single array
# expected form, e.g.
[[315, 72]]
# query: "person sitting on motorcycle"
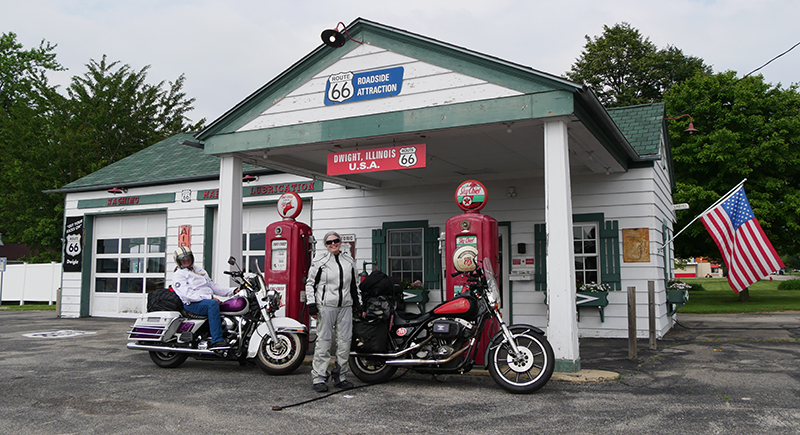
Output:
[[331, 294], [198, 293]]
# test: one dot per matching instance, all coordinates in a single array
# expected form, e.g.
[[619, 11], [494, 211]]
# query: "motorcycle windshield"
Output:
[[493, 290]]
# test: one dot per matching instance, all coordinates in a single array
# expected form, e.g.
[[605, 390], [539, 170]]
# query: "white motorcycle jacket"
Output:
[[332, 281], [195, 285]]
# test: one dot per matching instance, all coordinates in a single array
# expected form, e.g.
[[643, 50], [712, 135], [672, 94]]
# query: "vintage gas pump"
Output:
[[289, 251], [470, 229]]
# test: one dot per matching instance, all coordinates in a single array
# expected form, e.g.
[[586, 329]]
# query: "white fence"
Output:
[[31, 283]]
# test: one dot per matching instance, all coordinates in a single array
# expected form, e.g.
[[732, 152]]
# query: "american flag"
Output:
[[748, 254]]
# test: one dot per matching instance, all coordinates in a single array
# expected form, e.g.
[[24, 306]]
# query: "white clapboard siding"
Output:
[[424, 85]]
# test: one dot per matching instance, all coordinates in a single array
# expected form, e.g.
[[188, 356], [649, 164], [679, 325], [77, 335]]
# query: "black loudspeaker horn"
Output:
[[333, 38]]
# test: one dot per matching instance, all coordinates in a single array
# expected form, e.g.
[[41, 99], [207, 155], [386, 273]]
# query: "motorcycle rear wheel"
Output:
[[530, 371], [283, 357], [371, 371], [167, 359]]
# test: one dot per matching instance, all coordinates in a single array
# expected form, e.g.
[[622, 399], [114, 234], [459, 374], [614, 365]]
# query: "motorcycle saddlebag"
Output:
[[155, 326], [370, 336]]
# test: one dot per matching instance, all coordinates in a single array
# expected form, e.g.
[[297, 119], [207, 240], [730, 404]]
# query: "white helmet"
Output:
[[183, 253]]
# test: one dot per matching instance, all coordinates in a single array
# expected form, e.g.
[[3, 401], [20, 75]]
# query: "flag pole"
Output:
[[722, 198]]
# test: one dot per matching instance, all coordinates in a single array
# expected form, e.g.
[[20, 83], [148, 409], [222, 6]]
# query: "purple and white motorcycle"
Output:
[[249, 323]]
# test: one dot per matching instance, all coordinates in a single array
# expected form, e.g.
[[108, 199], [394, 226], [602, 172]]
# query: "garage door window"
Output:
[[130, 265]]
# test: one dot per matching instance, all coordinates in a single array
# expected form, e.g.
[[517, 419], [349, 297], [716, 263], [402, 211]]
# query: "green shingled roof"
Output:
[[165, 162], [642, 125]]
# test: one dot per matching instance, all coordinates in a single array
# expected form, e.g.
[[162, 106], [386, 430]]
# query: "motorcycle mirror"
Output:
[[231, 260]]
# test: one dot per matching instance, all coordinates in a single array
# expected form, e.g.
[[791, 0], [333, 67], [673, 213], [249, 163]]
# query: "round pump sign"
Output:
[[471, 195], [290, 205]]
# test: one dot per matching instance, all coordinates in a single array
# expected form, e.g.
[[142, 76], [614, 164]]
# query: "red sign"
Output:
[[185, 236], [378, 159]]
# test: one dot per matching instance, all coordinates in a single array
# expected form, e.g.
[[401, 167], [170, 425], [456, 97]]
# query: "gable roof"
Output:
[[165, 162], [646, 129], [398, 41], [643, 125]]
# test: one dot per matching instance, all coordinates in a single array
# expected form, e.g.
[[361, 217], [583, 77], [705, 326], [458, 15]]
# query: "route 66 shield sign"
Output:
[[408, 157], [74, 245], [340, 87]]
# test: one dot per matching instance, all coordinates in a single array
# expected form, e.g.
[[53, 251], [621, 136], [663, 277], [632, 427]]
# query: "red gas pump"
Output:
[[289, 250], [470, 229], [474, 230]]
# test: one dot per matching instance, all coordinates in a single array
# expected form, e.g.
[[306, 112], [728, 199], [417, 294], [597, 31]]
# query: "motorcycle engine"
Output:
[[229, 324]]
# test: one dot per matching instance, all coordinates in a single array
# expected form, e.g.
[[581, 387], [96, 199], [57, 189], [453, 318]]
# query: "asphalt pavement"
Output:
[[710, 374]]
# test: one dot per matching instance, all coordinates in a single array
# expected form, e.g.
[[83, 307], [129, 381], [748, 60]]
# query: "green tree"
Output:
[[48, 140], [118, 113], [623, 68], [748, 129], [27, 103]]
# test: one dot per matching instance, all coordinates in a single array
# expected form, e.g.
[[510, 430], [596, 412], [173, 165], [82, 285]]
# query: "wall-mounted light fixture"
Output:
[[117, 190], [334, 38], [249, 178], [512, 192], [508, 127], [689, 129]]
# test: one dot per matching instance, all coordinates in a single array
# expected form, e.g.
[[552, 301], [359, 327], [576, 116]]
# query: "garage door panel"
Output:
[[129, 261]]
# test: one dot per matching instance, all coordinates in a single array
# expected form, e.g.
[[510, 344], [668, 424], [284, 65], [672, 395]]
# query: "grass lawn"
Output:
[[719, 298], [29, 306]]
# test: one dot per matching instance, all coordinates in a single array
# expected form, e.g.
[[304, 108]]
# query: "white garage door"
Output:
[[129, 260]]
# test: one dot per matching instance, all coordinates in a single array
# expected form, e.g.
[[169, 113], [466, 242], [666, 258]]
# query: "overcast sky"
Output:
[[228, 49]]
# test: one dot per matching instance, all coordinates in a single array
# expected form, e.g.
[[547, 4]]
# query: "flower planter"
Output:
[[675, 300], [592, 299]]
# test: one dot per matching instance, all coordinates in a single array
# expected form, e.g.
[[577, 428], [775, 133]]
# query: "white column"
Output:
[[228, 239], [562, 328]]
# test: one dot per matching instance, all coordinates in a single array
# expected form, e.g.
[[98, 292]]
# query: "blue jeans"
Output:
[[210, 308]]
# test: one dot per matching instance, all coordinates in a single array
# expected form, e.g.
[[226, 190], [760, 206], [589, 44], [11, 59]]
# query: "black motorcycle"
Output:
[[446, 339]]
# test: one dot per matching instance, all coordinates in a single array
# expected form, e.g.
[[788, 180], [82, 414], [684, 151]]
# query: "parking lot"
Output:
[[713, 374]]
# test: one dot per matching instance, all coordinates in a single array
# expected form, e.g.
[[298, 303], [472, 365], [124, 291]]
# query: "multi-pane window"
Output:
[[405, 252], [587, 261], [253, 246], [130, 265]]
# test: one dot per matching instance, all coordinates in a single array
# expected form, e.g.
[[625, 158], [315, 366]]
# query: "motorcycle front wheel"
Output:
[[529, 370], [168, 360], [371, 371], [282, 357]]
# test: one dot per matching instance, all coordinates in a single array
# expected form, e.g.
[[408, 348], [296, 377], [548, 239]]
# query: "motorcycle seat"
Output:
[[190, 315], [406, 317]]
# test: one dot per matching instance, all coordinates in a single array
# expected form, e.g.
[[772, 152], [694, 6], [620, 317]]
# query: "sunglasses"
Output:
[[331, 242]]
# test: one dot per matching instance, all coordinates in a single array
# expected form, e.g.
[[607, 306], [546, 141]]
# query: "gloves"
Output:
[[312, 310]]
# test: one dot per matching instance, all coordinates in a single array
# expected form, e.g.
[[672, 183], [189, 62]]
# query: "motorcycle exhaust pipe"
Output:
[[137, 346], [417, 362], [392, 355]]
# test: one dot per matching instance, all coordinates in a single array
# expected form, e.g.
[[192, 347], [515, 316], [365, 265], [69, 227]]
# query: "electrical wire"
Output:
[[281, 408], [738, 80]]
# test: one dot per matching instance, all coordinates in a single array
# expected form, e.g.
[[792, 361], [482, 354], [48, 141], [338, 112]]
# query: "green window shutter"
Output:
[[609, 255], [433, 261], [379, 249], [665, 235], [540, 256]]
